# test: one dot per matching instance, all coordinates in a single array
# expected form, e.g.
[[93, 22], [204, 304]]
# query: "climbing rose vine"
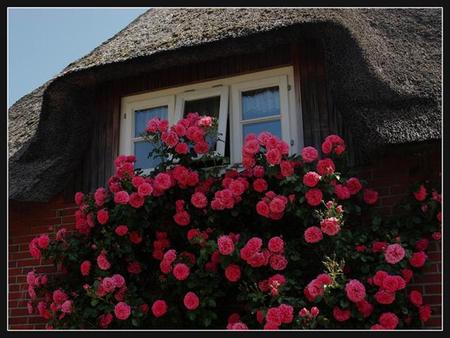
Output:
[[281, 242]]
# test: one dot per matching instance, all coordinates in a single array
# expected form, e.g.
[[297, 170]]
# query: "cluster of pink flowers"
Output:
[[38, 243], [316, 287], [274, 149], [255, 256], [160, 244], [386, 321], [231, 194], [190, 239], [187, 133], [272, 206], [276, 316], [272, 284], [333, 144], [388, 286], [308, 315], [112, 285]]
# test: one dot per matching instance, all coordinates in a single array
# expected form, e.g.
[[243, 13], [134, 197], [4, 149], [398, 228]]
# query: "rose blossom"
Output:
[[199, 200], [313, 235], [394, 253], [191, 301], [330, 226], [159, 308], [121, 197], [309, 154], [122, 310], [314, 197], [325, 166], [355, 290], [370, 196], [105, 320], [233, 272], [262, 208], [85, 267], [353, 185], [121, 230], [341, 315], [418, 259], [103, 262], [421, 194], [311, 179], [388, 320], [424, 313], [181, 271], [416, 298], [43, 241], [103, 216], [225, 245], [276, 244]]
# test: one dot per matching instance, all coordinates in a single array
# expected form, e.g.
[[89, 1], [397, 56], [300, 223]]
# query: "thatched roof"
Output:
[[383, 65]]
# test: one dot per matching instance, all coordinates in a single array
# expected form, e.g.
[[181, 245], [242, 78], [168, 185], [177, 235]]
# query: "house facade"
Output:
[[301, 74]]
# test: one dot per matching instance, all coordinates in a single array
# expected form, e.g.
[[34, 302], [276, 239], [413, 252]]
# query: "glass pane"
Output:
[[273, 127], [260, 103], [209, 106], [141, 118], [141, 151]]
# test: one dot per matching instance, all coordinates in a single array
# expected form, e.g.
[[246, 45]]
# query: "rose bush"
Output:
[[280, 242]]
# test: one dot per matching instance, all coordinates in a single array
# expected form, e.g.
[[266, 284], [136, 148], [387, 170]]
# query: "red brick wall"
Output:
[[391, 176], [26, 220]]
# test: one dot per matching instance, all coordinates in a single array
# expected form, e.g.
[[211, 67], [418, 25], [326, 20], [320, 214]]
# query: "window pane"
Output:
[[141, 118], [260, 103], [208, 106], [141, 151], [273, 127]]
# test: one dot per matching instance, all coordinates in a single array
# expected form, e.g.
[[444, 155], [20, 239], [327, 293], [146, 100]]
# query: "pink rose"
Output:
[[394, 253], [313, 235], [370, 196], [418, 259], [191, 301], [309, 154], [159, 308], [311, 179], [225, 245], [355, 290], [181, 271], [233, 272], [121, 197], [85, 267], [314, 197], [122, 311], [330, 226]]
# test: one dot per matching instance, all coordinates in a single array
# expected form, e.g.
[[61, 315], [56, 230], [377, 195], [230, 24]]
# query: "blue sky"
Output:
[[42, 41]]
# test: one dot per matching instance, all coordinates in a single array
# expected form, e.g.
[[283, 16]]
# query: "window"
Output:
[[251, 103]]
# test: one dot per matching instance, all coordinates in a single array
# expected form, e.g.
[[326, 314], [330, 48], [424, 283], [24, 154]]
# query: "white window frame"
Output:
[[238, 122], [229, 89], [222, 92]]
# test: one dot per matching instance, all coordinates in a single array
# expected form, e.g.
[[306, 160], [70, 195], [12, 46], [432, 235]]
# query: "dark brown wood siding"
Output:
[[311, 92]]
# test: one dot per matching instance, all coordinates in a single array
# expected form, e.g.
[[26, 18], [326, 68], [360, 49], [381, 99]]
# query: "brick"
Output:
[[15, 271], [429, 278], [18, 320], [434, 256], [433, 323], [18, 312], [13, 248], [435, 289], [430, 268], [432, 299], [36, 319], [18, 255]]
